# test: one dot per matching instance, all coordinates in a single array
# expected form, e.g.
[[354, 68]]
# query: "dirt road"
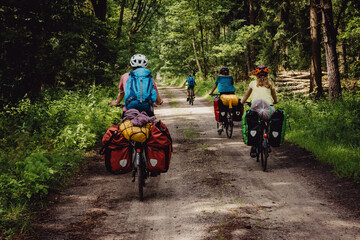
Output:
[[213, 190]]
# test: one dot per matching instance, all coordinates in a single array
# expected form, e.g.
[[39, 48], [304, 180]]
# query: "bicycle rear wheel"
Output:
[[264, 156], [141, 176], [229, 127]]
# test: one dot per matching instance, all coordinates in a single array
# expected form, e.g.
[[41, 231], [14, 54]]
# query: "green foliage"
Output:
[[329, 130], [43, 142]]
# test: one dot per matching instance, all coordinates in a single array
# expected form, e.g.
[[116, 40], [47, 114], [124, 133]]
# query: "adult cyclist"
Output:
[[263, 94], [136, 62], [190, 81], [225, 85]]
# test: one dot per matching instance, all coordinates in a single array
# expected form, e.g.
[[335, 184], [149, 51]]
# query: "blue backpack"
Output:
[[139, 91], [191, 82]]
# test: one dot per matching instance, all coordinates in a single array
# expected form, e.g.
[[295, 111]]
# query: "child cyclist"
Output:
[[263, 94], [190, 85], [225, 85]]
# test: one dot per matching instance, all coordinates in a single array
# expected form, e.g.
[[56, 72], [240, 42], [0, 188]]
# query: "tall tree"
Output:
[[315, 61], [330, 50], [121, 19], [202, 38], [100, 8]]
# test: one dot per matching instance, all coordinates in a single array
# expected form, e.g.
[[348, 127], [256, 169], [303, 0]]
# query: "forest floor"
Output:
[[213, 190]]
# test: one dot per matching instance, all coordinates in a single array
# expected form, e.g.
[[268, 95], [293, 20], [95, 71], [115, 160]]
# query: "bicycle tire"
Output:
[[141, 179], [264, 156], [229, 129]]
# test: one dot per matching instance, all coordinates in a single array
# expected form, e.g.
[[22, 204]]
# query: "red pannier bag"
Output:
[[117, 151], [220, 110], [216, 108], [159, 148]]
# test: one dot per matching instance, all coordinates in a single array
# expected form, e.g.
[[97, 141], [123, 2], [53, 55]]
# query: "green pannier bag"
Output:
[[277, 128], [250, 128]]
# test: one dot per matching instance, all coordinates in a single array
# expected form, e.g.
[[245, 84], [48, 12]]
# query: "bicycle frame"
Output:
[[139, 166], [229, 123], [262, 147]]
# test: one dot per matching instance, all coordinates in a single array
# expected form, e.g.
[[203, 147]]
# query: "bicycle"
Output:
[[262, 146], [139, 164], [191, 97], [229, 122]]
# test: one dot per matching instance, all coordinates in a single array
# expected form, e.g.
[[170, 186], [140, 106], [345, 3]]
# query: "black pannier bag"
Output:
[[238, 112], [250, 128], [277, 128], [222, 111]]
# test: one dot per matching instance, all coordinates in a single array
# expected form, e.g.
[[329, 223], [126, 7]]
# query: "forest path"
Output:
[[213, 190]]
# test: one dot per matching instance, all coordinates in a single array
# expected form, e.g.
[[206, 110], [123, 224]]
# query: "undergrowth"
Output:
[[42, 143]]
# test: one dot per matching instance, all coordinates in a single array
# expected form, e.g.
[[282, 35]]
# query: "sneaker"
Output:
[[253, 152], [221, 128]]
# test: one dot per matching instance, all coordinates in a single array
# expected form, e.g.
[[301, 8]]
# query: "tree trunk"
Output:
[[330, 50], [252, 48], [342, 57], [315, 61], [118, 34], [196, 57], [99, 9], [202, 39]]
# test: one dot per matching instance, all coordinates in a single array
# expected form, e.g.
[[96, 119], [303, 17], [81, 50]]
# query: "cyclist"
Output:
[[225, 85], [263, 94], [137, 61], [191, 85], [261, 88]]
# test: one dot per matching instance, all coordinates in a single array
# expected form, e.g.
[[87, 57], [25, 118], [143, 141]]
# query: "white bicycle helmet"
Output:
[[139, 60]]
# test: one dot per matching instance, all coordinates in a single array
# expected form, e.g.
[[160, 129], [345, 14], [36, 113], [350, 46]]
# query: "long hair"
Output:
[[263, 81]]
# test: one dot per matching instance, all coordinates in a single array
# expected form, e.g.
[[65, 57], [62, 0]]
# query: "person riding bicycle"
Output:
[[190, 81], [263, 95], [138, 63], [225, 85], [261, 88]]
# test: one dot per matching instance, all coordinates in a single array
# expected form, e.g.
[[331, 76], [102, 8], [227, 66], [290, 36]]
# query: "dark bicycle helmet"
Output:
[[261, 70], [224, 71]]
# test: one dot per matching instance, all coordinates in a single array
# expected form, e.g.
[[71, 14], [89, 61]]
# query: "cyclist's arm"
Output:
[[246, 96], [273, 94], [119, 98], [213, 89], [158, 100]]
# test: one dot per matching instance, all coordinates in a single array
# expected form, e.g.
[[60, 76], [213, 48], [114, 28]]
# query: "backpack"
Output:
[[117, 151], [250, 128], [277, 128], [139, 91], [191, 82], [159, 148]]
